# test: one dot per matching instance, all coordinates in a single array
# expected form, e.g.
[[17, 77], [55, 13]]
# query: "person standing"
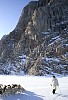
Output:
[[54, 84]]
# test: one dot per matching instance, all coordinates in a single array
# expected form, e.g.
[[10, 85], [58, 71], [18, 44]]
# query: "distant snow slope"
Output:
[[37, 88]]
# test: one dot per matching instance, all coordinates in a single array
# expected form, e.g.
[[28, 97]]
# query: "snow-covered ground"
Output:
[[36, 88]]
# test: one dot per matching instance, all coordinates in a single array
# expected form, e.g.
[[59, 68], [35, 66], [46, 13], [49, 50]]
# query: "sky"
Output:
[[10, 11]]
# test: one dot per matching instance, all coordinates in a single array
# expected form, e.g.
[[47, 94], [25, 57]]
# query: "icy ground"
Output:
[[37, 88]]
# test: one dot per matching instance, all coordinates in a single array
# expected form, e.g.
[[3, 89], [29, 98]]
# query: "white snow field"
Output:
[[36, 88]]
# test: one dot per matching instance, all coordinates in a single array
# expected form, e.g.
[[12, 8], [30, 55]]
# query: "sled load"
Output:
[[11, 89]]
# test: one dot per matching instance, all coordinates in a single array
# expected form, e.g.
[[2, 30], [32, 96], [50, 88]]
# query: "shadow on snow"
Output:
[[27, 95]]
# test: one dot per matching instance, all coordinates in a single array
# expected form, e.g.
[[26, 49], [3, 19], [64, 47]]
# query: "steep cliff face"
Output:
[[42, 35]]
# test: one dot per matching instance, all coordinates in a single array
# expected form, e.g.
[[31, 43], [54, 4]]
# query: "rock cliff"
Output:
[[39, 43]]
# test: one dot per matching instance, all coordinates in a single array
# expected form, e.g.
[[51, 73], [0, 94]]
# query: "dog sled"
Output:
[[11, 89]]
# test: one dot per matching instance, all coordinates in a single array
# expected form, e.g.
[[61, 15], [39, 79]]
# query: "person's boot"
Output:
[[53, 91]]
